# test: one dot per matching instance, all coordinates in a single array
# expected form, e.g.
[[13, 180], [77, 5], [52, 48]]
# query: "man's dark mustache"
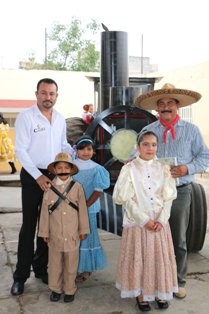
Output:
[[164, 111], [48, 101], [63, 174]]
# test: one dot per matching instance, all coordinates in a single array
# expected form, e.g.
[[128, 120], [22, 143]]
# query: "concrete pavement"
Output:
[[97, 295]]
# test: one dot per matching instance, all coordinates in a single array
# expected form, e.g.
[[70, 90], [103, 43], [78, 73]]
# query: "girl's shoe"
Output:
[[161, 304], [54, 297], [143, 305]]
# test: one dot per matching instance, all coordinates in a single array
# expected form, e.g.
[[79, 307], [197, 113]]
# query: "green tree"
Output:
[[72, 50], [31, 63]]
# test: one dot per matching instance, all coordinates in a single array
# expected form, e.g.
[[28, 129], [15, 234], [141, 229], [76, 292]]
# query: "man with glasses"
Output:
[[183, 141]]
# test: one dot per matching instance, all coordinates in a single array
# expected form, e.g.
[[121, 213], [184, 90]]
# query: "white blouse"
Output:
[[146, 191]]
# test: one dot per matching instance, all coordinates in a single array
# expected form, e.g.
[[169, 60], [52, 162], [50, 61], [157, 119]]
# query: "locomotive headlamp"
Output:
[[122, 144]]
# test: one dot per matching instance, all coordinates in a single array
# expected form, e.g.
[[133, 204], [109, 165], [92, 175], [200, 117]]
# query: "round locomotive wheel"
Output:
[[198, 218], [104, 128], [76, 127]]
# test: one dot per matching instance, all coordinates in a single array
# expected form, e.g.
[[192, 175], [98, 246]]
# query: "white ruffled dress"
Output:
[[146, 264]]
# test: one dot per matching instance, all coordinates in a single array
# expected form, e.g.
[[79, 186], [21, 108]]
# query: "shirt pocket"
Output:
[[74, 241]]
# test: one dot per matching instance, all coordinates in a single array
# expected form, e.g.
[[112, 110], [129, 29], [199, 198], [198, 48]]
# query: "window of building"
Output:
[[186, 113]]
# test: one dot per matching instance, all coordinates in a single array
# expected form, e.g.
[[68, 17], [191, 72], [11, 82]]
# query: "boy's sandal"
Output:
[[144, 306], [161, 303]]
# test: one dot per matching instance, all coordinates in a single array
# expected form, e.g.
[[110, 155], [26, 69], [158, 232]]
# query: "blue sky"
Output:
[[174, 32]]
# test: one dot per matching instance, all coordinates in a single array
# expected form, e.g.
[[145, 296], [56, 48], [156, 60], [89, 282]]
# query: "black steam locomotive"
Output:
[[114, 129]]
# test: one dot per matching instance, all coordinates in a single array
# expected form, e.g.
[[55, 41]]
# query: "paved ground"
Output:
[[98, 295]]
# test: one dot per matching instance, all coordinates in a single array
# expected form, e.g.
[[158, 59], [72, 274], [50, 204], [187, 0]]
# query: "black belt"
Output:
[[183, 185]]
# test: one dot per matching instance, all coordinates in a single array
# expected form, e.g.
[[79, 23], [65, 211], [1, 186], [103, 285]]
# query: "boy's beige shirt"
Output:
[[65, 224]]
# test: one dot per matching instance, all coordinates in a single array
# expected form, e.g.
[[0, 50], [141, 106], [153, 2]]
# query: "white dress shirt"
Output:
[[38, 141], [146, 189]]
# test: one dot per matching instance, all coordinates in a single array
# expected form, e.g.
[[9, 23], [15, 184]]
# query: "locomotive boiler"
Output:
[[114, 129]]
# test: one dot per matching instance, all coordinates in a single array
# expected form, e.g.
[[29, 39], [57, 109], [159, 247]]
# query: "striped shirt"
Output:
[[189, 147]]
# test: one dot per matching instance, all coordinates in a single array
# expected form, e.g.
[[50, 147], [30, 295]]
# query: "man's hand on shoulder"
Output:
[[44, 182]]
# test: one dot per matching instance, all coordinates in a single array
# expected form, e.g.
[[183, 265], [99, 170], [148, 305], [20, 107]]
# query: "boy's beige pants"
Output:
[[62, 271]]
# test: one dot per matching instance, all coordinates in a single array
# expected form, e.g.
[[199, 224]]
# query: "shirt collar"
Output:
[[61, 182], [84, 164], [38, 112], [179, 123], [145, 162]]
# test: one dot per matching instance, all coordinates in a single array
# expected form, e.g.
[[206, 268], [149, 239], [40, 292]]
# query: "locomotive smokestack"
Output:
[[114, 64]]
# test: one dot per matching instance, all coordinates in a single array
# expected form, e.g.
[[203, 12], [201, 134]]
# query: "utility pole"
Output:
[[142, 61], [45, 62]]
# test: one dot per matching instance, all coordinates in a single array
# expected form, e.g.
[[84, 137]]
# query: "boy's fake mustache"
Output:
[[63, 174]]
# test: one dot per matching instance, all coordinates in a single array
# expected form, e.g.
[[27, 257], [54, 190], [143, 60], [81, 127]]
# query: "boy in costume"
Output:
[[63, 223]]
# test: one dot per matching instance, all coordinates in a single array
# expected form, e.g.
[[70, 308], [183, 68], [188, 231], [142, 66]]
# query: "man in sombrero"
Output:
[[182, 140]]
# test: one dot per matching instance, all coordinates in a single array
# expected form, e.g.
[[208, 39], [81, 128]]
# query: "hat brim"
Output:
[[149, 100], [51, 168]]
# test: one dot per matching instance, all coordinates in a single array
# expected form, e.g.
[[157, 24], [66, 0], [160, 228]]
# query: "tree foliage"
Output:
[[72, 50]]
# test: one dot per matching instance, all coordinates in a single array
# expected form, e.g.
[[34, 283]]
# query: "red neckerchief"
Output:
[[169, 126]]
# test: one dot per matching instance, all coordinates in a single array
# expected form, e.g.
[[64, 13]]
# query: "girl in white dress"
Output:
[[146, 266]]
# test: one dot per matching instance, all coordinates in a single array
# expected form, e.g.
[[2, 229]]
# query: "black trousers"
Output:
[[32, 196]]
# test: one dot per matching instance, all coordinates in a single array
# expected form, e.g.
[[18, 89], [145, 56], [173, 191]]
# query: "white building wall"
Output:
[[194, 78], [75, 89]]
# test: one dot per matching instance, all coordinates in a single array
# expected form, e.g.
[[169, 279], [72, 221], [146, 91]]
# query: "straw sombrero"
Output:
[[149, 100], [63, 157]]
